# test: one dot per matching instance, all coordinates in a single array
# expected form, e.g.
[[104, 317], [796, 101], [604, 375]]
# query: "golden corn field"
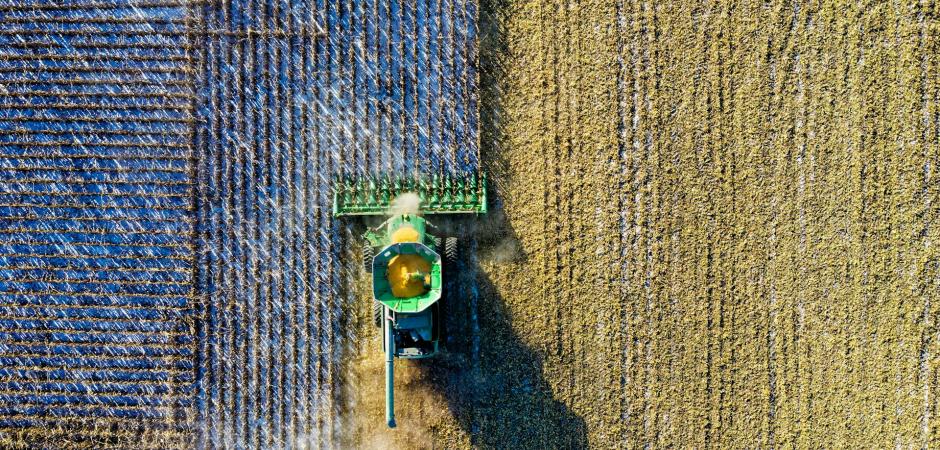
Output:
[[716, 226]]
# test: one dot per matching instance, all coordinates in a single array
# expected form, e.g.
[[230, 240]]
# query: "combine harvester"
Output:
[[405, 260]]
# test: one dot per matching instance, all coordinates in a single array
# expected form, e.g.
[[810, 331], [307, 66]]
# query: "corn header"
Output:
[[439, 194], [407, 258]]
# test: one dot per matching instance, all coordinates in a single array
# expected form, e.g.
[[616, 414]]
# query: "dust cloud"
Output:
[[407, 203]]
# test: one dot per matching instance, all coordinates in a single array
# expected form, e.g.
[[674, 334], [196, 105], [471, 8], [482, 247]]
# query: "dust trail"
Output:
[[407, 203], [506, 249]]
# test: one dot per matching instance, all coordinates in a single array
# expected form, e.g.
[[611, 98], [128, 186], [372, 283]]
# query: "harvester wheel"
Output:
[[377, 314], [367, 254], [450, 251]]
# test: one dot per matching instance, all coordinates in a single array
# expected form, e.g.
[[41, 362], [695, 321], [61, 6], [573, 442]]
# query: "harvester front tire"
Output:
[[367, 254], [377, 314], [451, 248]]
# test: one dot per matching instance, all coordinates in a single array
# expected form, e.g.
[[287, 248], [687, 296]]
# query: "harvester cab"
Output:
[[406, 262]]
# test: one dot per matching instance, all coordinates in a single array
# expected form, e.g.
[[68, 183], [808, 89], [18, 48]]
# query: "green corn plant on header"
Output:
[[439, 194]]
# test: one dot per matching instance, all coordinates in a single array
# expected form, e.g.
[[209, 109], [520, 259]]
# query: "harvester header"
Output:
[[439, 194]]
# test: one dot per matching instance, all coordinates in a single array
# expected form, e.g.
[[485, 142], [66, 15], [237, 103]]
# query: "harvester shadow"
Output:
[[493, 381]]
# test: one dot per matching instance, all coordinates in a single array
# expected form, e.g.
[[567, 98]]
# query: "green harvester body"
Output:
[[410, 326]]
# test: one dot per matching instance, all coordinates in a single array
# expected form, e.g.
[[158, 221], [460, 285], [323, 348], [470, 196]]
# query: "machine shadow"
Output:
[[493, 381]]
